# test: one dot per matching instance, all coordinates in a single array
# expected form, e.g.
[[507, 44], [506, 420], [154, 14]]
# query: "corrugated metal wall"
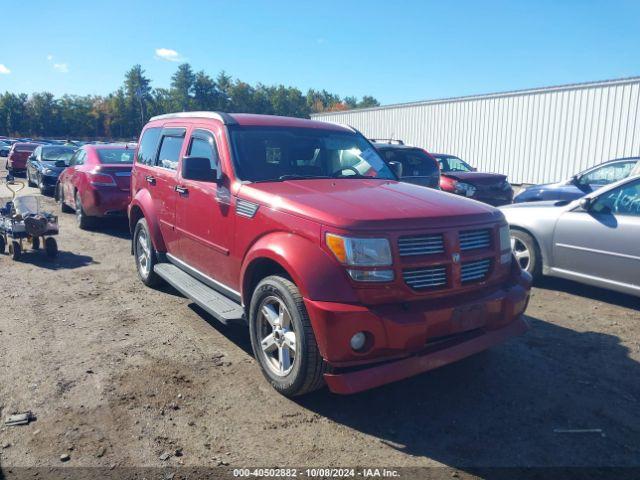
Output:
[[533, 136]]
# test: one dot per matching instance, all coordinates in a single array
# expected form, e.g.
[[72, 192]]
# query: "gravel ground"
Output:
[[119, 374]]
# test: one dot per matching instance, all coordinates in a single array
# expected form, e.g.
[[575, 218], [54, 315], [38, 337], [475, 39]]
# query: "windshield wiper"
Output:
[[300, 177]]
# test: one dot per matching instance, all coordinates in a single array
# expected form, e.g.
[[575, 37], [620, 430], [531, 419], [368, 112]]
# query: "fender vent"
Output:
[[245, 208]]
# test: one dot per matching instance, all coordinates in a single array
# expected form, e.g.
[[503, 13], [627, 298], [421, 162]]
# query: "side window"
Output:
[[80, 158], [608, 174], [204, 146], [149, 146], [74, 158], [624, 200], [170, 152]]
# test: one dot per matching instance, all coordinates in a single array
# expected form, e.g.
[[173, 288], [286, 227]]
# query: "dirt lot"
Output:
[[119, 374]]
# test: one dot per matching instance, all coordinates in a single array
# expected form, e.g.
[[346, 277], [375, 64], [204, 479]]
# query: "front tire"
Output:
[[15, 250], [145, 254], [282, 338], [527, 253], [29, 181]]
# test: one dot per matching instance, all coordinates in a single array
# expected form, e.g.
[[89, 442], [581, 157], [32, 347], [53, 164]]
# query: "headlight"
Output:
[[360, 252], [48, 171], [464, 189], [505, 245]]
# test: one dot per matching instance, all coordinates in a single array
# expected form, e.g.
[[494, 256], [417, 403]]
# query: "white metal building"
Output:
[[533, 136]]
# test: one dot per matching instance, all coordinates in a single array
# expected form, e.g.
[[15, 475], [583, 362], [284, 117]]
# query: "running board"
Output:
[[221, 307]]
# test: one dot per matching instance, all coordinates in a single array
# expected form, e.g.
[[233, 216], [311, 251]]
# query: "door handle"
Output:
[[150, 179], [182, 190]]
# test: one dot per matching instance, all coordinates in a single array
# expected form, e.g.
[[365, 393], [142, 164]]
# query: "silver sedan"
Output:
[[593, 240]]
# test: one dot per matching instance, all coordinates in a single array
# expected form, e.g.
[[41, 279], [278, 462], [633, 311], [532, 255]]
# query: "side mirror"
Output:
[[396, 168], [60, 163], [198, 168], [585, 203], [474, 169]]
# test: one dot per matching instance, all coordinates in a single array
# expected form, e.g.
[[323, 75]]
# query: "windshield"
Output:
[[25, 148], [123, 156], [56, 154], [453, 164], [282, 153], [415, 162]]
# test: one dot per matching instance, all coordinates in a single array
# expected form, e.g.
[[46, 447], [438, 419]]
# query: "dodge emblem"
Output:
[[455, 257]]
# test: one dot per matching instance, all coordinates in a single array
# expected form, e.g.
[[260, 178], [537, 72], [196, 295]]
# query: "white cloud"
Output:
[[4, 70], [61, 67], [49, 57], [168, 54]]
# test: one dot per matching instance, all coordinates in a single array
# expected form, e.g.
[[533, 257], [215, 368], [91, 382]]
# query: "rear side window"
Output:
[[415, 163], [170, 152], [148, 146]]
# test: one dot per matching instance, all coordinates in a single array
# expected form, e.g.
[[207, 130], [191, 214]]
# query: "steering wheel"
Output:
[[335, 174]]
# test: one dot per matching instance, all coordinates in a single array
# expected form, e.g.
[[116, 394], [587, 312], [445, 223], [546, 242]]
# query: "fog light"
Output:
[[358, 340]]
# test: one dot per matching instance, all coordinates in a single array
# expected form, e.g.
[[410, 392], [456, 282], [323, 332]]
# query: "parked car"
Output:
[[299, 227], [45, 165], [416, 165], [18, 155], [96, 183], [592, 240], [457, 176], [582, 183], [5, 147]]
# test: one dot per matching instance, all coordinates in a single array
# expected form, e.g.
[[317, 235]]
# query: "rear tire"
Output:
[[145, 255], [35, 243], [84, 222], [279, 326], [64, 208], [527, 253], [51, 247]]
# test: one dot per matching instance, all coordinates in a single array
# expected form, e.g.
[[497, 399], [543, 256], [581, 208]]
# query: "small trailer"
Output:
[[23, 224]]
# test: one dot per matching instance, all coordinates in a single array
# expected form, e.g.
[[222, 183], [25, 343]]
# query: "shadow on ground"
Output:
[[587, 291], [115, 227], [504, 407], [64, 260]]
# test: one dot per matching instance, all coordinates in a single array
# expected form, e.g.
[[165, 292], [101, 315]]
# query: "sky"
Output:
[[397, 51]]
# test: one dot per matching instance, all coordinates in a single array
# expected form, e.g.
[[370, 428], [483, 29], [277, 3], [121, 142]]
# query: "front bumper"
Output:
[[414, 337]]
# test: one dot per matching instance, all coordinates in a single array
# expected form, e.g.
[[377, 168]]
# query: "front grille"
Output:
[[474, 271], [475, 239], [420, 245], [423, 278]]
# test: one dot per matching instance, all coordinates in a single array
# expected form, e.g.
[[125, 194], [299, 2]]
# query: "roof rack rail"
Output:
[[390, 141], [225, 118]]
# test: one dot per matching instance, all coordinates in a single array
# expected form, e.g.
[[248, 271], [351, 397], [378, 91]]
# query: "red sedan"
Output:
[[97, 183]]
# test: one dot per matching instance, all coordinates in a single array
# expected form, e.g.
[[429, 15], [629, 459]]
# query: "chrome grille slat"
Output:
[[476, 270], [475, 239], [428, 277], [420, 245]]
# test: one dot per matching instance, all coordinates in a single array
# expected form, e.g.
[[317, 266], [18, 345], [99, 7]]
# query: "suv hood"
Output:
[[476, 178], [360, 204]]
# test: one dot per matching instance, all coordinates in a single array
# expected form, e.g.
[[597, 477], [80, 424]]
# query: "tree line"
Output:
[[122, 114]]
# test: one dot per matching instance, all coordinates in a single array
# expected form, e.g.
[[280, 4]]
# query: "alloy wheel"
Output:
[[278, 336], [143, 252], [521, 252]]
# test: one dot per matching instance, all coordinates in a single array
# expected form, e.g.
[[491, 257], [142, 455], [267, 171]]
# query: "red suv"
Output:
[[345, 275], [97, 183]]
